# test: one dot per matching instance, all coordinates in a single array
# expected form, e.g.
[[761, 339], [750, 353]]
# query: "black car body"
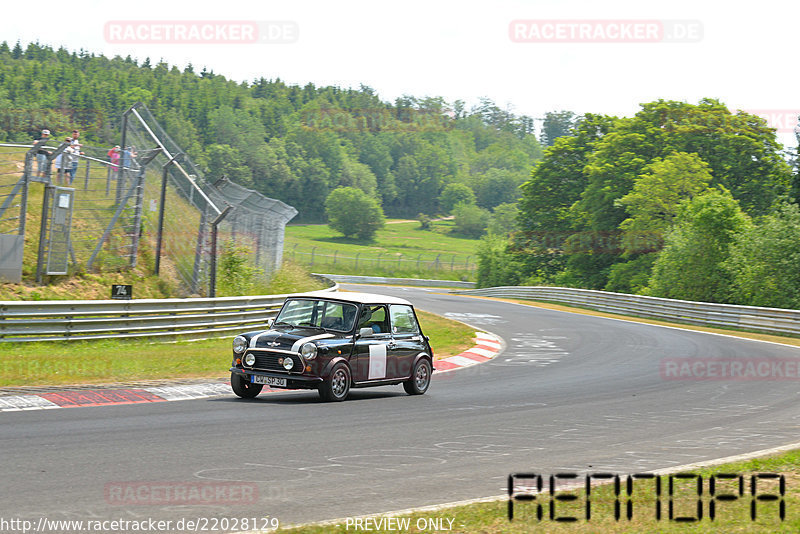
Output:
[[333, 341]]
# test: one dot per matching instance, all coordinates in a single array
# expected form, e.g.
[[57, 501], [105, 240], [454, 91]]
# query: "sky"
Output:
[[528, 56]]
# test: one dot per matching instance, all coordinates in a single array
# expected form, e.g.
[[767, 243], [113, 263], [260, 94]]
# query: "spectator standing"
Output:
[[71, 161], [128, 157], [114, 156], [76, 146], [41, 153]]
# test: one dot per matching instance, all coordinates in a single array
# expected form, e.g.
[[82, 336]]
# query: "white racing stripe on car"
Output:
[[254, 339], [377, 361], [299, 343]]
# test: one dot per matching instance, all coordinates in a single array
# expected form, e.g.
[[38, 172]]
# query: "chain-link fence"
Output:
[[348, 261], [144, 200], [196, 213], [13, 191], [98, 223]]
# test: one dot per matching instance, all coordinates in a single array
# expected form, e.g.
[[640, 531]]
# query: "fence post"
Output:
[[212, 284], [452, 263], [160, 236], [139, 206], [312, 255], [198, 252], [357, 255], [335, 251], [86, 176], [43, 233]]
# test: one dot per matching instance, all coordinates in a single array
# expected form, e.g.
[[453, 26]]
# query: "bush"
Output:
[[354, 213], [234, 276], [470, 220], [454, 194]]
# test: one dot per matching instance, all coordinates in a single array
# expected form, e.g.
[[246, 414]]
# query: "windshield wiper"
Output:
[[282, 323]]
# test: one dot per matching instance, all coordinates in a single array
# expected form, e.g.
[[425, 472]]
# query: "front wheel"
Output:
[[420, 378], [337, 386], [243, 388]]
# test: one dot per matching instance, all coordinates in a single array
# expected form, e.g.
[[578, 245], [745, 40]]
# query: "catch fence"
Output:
[[145, 201], [347, 261]]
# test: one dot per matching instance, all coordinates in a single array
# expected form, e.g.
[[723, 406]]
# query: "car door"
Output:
[[406, 340], [373, 359]]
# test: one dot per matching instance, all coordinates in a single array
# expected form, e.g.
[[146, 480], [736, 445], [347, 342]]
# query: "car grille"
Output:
[[268, 361]]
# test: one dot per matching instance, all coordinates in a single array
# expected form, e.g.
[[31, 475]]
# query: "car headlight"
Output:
[[250, 360], [288, 363], [239, 344], [308, 351]]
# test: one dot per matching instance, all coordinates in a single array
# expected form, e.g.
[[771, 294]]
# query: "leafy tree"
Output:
[[453, 194], [558, 180], [470, 220], [498, 186], [354, 213], [504, 219], [691, 266], [495, 264], [654, 201], [225, 160], [764, 261], [631, 276], [557, 124]]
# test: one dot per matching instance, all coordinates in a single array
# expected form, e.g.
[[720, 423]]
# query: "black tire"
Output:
[[420, 379], [337, 386], [243, 388]]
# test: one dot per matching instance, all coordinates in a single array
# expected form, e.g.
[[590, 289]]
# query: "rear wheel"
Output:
[[337, 386], [243, 388], [420, 378]]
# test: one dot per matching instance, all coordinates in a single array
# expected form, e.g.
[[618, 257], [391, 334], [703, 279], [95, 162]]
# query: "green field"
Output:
[[401, 249]]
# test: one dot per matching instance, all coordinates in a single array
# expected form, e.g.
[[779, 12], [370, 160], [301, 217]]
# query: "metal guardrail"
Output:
[[354, 279], [186, 319], [770, 320]]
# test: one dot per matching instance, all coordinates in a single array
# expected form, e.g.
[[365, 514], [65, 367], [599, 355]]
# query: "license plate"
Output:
[[268, 380]]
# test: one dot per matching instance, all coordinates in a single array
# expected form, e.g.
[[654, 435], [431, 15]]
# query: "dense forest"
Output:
[[681, 200], [293, 143]]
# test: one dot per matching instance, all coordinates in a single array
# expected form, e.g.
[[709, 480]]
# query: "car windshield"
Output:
[[318, 314]]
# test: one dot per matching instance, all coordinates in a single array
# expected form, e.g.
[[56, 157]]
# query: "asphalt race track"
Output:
[[569, 393]]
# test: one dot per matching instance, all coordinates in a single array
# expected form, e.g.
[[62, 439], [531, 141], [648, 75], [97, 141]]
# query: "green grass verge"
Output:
[[400, 249], [104, 361], [730, 516]]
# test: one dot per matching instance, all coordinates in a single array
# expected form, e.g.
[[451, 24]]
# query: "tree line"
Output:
[[687, 201], [289, 142]]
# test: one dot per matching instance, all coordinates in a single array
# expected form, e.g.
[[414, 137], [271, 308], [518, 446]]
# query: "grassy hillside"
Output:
[[400, 249]]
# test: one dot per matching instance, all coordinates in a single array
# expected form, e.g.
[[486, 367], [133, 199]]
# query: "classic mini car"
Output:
[[332, 341]]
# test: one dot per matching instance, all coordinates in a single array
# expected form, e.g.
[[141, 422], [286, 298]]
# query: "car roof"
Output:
[[352, 296]]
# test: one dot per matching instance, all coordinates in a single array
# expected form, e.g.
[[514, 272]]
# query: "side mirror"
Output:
[[270, 321], [365, 332]]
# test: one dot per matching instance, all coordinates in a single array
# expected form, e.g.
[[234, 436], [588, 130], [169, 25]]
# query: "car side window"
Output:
[[374, 317], [403, 319]]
